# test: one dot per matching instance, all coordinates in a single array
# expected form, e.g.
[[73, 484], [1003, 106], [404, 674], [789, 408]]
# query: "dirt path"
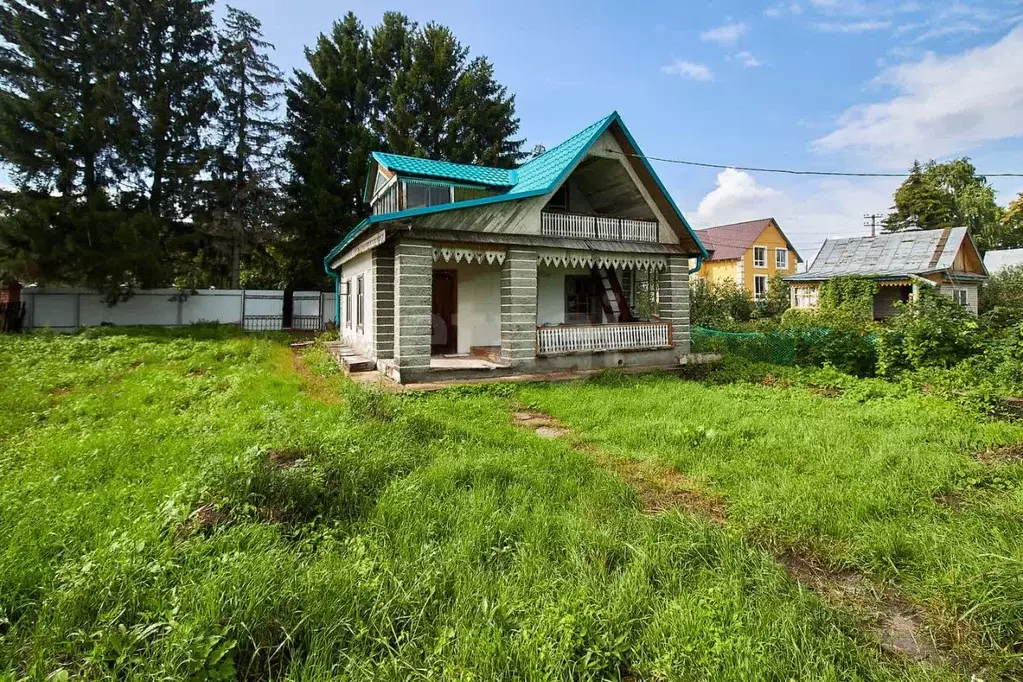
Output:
[[318, 388], [896, 623]]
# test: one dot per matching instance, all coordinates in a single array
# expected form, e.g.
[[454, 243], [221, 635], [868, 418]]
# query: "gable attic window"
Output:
[[781, 258], [559, 200], [421, 194], [760, 256]]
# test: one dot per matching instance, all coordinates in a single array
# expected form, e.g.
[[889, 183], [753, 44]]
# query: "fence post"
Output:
[[78, 311], [181, 316], [242, 320]]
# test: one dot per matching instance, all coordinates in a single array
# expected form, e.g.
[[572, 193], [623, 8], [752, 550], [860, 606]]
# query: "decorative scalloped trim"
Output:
[[459, 254], [600, 259]]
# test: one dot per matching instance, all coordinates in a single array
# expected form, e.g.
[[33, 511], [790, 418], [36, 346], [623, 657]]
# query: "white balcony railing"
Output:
[[580, 226], [594, 338]]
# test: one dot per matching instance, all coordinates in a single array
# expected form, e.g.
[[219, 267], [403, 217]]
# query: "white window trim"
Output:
[[785, 261], [762, 266], [763, 295], [360, 303], [383, 190]]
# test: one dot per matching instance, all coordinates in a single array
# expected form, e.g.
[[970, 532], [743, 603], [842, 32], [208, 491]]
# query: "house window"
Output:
[[759, 287], [360, 291], [348, 303], [760, 256], [581, 300], [559, 200], [781, 258], [959, 296], [806, 297], [418, 195]]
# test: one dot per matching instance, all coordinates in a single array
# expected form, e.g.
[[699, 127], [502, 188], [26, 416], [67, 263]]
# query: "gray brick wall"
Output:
[[518, 307], [673, 293], [413, 295], [383, 302]]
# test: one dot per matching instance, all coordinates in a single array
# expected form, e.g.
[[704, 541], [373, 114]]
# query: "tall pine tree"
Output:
[[244, 182]]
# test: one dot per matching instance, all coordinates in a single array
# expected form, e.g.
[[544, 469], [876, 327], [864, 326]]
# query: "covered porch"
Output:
[[503, 309]]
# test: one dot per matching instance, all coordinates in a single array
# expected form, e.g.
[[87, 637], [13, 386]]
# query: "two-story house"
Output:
[[748, 253], [530, 269]]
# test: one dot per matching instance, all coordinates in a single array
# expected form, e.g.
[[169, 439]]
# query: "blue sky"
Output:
[[811, 84]]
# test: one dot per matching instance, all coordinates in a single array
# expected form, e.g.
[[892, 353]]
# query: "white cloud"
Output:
[[942, 105], [775, 11], [852, 26], [725, 35], [737, 192], [687, 69], [748, 60], [808, 210]]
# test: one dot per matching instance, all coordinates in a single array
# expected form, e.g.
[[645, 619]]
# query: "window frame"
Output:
[[763, 294], [348, 303], [960, 296], [428, 186], [763, 263], [783, 261], [360, 302], [592, 304], [563, 207]]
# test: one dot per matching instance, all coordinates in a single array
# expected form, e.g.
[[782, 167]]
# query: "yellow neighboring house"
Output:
[[748, 253]]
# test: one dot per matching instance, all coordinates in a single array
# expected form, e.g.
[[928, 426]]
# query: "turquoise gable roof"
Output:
[[444, 170], [538, 176]]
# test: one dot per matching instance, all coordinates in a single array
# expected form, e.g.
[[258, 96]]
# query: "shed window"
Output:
[[806, 297], [360, 291], [759, 287], [581, 300], [781, 258], [760, 256], [418, 195], [959, 296]]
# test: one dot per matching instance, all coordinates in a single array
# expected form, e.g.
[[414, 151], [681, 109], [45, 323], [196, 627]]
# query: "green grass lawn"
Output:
[[191, 505]]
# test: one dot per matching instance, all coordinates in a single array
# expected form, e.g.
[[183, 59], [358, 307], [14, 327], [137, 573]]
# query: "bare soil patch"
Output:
[[897, 624], [1001, 454], [659, 488], [284, 459]]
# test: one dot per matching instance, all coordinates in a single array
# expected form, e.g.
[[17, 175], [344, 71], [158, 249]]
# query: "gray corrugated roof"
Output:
[[912, 252], [996, 261]]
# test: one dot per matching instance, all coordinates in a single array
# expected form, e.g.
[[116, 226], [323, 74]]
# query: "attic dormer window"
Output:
[[559, 200], [420, 194]]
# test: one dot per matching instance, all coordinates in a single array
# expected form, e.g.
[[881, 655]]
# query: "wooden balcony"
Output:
[[581, 226], [595, 338]]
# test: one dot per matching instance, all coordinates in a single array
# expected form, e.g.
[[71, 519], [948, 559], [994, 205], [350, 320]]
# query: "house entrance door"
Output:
[[445, 298]]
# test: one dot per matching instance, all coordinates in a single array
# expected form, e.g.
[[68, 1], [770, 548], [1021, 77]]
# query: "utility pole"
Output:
[[870, 220]]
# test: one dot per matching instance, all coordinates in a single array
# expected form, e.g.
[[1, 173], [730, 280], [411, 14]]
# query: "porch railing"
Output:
[[593, 338], [580, 226]]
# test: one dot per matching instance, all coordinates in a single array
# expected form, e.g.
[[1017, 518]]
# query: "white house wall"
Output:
[[972, 294], [359, 340], [478, 304], [550, 293]]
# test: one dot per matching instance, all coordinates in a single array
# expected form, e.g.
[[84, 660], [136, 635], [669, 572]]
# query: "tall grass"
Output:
[[181, 505], [855, 472]]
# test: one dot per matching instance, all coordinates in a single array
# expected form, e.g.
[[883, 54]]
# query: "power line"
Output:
[[788, 171]]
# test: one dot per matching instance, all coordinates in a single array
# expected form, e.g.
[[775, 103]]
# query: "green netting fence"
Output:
[[812, 346]]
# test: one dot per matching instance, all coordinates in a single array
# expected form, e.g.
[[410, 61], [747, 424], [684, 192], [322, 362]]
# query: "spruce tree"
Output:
[[404, 89], [244, 174], [65, 120], [329, 140]]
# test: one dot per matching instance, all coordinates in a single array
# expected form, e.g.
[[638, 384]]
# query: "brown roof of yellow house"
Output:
[[729, 242]]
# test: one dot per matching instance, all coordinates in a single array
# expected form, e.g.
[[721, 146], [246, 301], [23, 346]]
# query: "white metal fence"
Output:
[[63, 309]]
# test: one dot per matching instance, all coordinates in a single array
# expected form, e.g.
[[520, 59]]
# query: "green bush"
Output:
[[933, 331], [717, 304]]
